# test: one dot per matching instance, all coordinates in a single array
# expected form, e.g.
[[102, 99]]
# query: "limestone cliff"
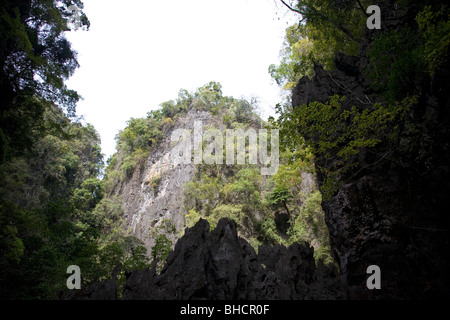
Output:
[[260, 249], [169, 187], [390, 213], [153, 196]]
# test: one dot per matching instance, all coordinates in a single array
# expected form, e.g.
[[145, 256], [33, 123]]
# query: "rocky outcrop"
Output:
[[152, 198], [390, 214], [345, 80], [220, 265]]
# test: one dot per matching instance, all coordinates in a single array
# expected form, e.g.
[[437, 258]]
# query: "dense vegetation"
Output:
[[403, 58], [141, 136], [324, 28], [268, 210], [52, 210], [276, 209], [57, 210]]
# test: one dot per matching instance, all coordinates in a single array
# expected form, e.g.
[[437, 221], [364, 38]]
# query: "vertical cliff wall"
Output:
[[393, 214], [152, 197]]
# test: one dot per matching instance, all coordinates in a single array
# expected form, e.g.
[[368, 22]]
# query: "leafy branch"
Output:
[[316, 12]]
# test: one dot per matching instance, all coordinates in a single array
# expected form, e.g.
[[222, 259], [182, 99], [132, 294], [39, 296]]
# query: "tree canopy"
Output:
[[324, 28], [35, 60], [53, 213], [403, 58]]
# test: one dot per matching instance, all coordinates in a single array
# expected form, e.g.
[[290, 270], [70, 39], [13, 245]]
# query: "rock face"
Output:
[[390, 215], [393, 215], [346, 80], [152, 198], [219, 265]]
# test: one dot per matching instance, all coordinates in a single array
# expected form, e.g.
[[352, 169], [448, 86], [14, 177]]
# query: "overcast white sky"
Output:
[[140, 53]]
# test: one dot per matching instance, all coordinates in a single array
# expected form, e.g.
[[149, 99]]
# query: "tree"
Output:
[[296, 59], [280, 197], [325, 28], [328, 12], [161, 250], [35, 60]]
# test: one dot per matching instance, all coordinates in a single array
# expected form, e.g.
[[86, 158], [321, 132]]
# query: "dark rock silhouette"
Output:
[[219, 265], [389, 213]]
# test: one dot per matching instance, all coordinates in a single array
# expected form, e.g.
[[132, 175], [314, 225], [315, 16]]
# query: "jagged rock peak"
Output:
[[220, 265]]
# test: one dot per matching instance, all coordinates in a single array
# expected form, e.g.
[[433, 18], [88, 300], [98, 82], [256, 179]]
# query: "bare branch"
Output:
[[362, 8], [290, 8]]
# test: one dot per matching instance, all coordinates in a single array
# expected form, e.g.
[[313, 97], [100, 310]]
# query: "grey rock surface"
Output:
[[153, 195], [389, 212], [219, 265]]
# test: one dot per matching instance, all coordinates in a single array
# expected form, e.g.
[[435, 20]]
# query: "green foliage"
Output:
[[208, 96], [107, 217], [396, 62], [138, 259], [402, 58], [268, 231], [139, 134], [53, 213], [39, 242], [342, 20], [309, 223], [326, 27], [279, 196], [154, 183], [230, 211], [245, 197], [301, 200], [11, 245], [204, 194], [128, 166], [334, 132], [161, 250], [435, 27], [346, 141], [296, 60], [212, 195], [133, 143], [246, 188], [192, 218], [88, 195], [142, 136], [113, 178], [35, 60]]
